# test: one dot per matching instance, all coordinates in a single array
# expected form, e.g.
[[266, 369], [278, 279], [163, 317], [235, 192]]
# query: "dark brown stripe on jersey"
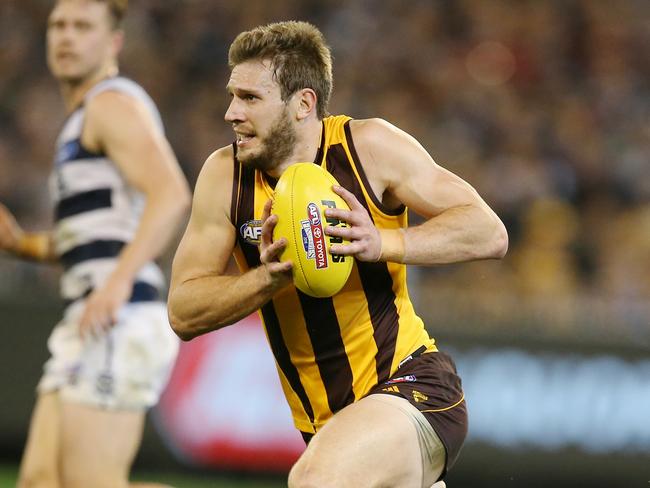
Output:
[[245, 212], [281, 354], [376, 280], [307, 437], [329, 350], [235, 187], [378, 287], [388, 211]]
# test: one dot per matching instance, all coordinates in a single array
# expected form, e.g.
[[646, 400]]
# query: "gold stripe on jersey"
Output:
[[332, 351]]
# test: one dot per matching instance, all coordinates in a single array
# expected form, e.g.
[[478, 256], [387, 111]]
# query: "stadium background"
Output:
[[544, 106]]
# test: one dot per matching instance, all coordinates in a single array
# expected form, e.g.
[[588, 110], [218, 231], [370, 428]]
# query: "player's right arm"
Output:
[[35, 246], [202, 298]]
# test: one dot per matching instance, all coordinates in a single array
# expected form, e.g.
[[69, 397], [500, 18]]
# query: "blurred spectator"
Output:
[[543, 106]]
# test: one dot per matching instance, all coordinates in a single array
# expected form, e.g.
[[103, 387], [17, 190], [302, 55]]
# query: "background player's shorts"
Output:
[[126, 368]]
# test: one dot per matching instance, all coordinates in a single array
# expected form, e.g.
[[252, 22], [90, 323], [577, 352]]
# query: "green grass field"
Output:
[[9, 473]]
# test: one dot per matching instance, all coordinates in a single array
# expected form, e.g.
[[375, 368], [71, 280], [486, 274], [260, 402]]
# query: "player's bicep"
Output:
[[411, 176], [429, 189], [209, 238], [205, 249]]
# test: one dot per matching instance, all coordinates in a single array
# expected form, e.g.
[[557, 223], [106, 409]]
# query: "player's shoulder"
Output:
[[112, 115], [220, 159], [374, 131], [214, 184], [218, 167], [117, 87], [108, 106], [118, 97], [371, 124], [378, 140]]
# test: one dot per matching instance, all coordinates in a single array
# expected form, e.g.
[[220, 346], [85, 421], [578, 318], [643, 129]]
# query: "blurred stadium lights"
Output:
[[550, 401]]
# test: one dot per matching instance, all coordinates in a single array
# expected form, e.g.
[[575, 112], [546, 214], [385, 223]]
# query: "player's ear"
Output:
[[117, 41], [306, 103]]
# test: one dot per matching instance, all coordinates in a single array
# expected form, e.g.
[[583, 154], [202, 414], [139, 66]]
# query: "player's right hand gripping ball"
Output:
[[302, 194]]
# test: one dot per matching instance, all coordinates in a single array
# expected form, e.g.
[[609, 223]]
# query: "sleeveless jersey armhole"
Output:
[[364, 179]]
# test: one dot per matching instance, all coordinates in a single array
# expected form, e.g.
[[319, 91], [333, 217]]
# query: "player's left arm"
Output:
[[459, 225], [126, 132]]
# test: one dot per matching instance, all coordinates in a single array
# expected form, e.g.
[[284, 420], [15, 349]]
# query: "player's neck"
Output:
[[73, 92], [306, 147]]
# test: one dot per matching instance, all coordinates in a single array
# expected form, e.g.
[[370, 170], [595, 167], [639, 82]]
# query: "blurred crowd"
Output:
[[543, 106]]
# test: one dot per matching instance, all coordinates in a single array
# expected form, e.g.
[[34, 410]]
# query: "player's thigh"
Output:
[[369, 443], [98, 445], [39, 465]]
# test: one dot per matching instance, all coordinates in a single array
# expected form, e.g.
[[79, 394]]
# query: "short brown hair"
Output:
[[116, 10], [299, 56]]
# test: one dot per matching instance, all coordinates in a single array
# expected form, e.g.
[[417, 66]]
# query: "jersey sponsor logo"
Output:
[[251, 231], [313, 237], [393, 389], [402, 379], [419, 397]]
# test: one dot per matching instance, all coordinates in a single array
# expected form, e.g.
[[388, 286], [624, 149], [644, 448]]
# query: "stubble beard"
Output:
[[276, 146], [84, 73]]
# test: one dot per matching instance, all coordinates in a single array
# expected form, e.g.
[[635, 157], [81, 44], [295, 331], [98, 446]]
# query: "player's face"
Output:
[[80, 40], [261, 120]]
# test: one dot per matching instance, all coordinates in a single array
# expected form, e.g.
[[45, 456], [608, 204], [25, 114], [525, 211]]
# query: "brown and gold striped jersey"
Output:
[[331, 351]]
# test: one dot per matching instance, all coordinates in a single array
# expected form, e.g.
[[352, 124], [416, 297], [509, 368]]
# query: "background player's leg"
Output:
[[98, 446], [370, 443], [157, 485], [39, 466]]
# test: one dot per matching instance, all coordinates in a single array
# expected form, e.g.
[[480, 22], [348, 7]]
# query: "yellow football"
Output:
[[302, 194]]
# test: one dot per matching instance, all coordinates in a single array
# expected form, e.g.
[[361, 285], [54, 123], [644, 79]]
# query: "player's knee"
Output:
[[296, 477], [84, 479], [78, 482], [305, 475], [38, 477]]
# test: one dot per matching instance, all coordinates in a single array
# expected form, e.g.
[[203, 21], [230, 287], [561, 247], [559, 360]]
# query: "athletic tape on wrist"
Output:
[[392, 245], [34, 246]]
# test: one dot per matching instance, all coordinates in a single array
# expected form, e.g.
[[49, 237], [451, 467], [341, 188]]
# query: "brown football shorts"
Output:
[[429, 382]]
